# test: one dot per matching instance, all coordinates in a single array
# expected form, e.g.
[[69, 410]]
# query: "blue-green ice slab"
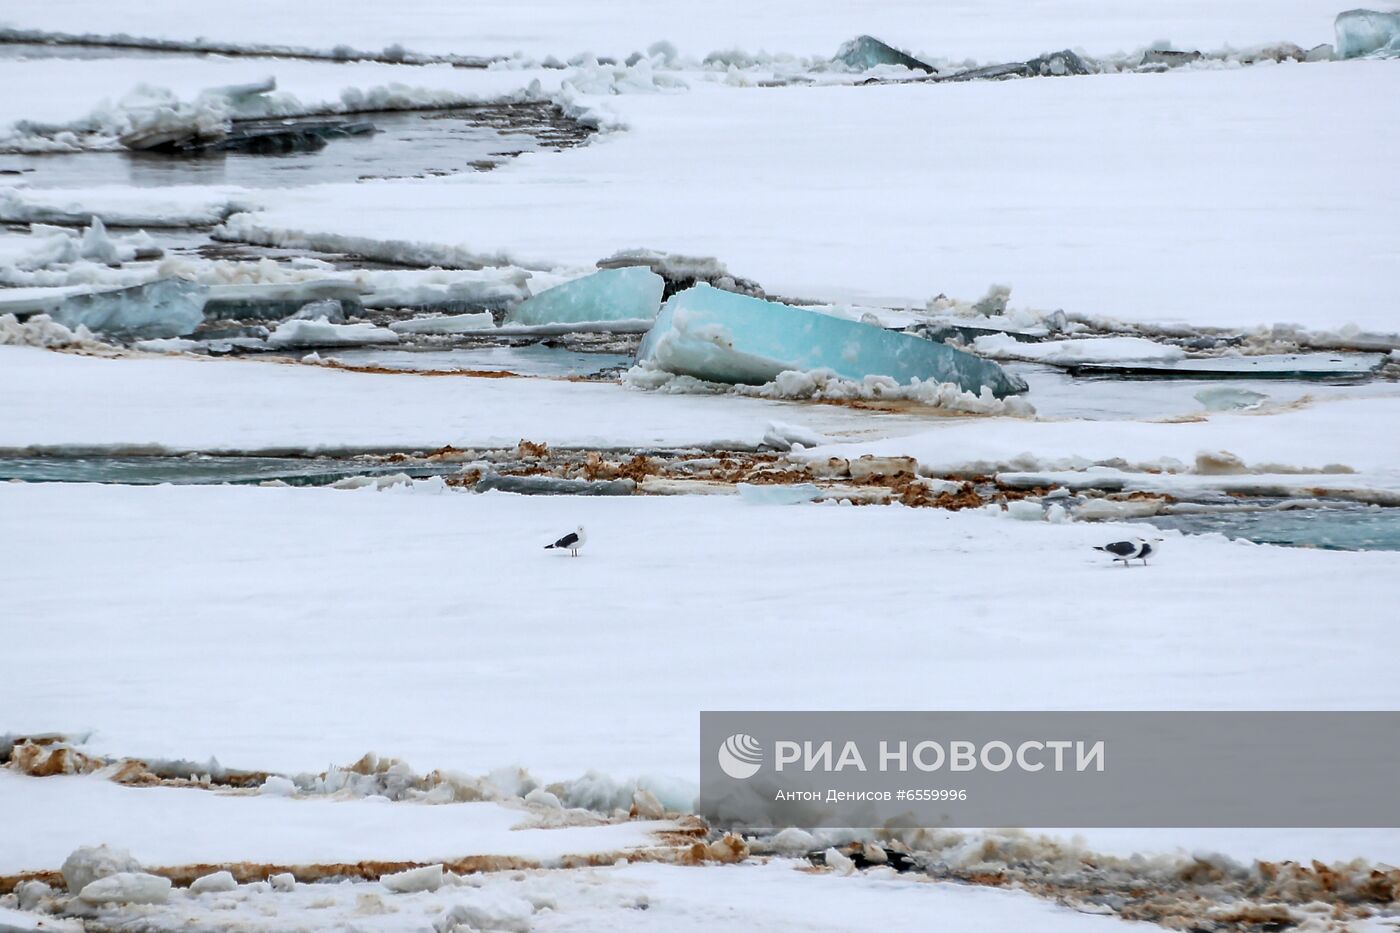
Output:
[[719, 336], [629, 294]]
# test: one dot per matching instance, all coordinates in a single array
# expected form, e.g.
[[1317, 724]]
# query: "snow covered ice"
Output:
[[723, 337], [319, 332], [628, 294]]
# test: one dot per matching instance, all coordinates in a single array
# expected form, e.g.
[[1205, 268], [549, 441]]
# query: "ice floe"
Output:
[[1068, 352], [717, 336], [322, 333]]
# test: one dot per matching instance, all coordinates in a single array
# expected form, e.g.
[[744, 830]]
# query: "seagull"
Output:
[[570, 542], [1134, 549]]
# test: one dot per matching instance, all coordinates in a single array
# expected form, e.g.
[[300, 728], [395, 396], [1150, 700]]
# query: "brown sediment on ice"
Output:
[[683, 843], [1183, 893], [374, 370], [866, 480]]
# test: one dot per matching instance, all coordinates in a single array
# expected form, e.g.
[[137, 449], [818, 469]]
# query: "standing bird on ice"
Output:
[[1134, 549], [571, 542]]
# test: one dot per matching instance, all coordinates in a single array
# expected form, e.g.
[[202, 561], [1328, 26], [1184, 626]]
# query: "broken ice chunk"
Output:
[[722, 337], [866, 52], [163, 308], [1366, 32], [127, 887], [322, 333], [629, 294], [427, 878], [1225, 398]]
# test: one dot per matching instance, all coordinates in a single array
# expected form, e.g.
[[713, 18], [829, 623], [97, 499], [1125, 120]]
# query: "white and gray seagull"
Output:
[[1133, 549], [571, 542]]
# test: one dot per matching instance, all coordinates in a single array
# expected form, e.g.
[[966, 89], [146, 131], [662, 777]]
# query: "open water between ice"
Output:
[[406, 143]]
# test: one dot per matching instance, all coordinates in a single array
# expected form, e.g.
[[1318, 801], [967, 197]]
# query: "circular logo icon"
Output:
[[740, 756]]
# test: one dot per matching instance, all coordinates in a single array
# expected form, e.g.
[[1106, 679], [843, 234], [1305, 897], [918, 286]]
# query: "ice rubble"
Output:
[[1368, 32], [865, 52], [86, 864], [150, 116], [47, 246], [627, 294], [163, 308], [722, 337], [41, 331]]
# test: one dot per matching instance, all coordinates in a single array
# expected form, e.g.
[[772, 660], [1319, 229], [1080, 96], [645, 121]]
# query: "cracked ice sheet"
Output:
[[996, 30], [1211, 198], [166, 827], [59, 399]]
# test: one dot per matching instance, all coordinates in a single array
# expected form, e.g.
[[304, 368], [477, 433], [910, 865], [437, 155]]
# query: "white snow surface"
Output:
[[164, 826], [184, 627], [984, 29], [1207, 197], [183, 404], [558, 692]]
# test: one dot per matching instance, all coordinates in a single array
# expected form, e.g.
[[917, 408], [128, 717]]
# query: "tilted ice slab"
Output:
[[628, 294], [865, 52], [722, 337], [163, 308], [1364, 32]]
